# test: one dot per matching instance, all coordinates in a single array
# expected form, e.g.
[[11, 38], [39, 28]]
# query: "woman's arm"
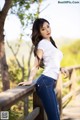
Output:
[[34, 68]]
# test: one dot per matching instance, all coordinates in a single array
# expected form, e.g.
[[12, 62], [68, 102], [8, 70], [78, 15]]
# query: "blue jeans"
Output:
[[45, 90]]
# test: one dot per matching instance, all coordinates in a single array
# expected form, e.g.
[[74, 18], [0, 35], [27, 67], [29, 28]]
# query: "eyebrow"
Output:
[[44, 27]]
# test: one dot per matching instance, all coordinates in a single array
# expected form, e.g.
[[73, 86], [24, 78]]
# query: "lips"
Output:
[[48, 34]]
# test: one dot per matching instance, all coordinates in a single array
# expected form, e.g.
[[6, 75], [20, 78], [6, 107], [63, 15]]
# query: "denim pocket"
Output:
[[38, 87], [39, 83]]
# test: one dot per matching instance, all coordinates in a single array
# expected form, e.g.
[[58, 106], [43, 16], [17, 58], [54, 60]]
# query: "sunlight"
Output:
[[1, 4]]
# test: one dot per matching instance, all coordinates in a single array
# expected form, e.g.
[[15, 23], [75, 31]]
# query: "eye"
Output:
[[42, 29]]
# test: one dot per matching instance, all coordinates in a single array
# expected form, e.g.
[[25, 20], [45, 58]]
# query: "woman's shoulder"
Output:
[[42, 44], [42, 41]]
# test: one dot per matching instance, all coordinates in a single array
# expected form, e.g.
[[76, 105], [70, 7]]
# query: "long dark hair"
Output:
[[36, 36]]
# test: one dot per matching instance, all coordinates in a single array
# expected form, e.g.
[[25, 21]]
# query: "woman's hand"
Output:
[[25, 83], [65, 72]]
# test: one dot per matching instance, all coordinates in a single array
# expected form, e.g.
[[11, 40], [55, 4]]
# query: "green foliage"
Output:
[[16, 111], [15, 72], [13, 115], [71, 54], [25, 10]]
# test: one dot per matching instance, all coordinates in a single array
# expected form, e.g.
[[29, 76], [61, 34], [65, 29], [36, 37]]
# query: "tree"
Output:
[[3, 64], [21, 6]]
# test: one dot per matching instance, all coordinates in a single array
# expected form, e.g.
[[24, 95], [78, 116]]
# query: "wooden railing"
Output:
[[12, 96], [70, 85]]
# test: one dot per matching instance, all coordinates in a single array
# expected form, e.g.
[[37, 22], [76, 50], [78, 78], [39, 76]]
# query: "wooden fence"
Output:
[[12, 96], [70, 85]]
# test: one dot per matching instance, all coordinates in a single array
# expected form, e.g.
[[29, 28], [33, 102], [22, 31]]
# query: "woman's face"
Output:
[[45, 31]]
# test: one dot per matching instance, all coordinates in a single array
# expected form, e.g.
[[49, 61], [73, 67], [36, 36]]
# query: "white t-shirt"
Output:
[[51, 57]]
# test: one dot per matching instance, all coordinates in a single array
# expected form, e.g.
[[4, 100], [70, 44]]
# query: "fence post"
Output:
[[25, 107], [37, 103], [73, 79]]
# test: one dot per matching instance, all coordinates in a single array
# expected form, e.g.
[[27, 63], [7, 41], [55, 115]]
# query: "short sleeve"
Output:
[[41, 45]]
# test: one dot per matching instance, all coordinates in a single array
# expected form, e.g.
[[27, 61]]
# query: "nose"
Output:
[[47, 29]]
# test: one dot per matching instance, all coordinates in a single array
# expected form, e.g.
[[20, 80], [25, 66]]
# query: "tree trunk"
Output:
[[4, 73], [3, 63]]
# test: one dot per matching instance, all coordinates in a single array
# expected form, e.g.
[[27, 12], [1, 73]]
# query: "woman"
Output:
[[48, 56]]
